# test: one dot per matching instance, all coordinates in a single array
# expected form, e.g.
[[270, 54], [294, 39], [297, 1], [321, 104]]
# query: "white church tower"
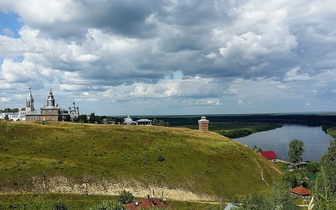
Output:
[[30, 102]]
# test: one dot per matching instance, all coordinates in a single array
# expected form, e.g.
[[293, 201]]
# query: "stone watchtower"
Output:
[[203, 124]]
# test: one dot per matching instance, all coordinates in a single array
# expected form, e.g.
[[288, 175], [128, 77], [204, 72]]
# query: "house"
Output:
[[231, 206], [147, 203], [269, 155], [301, 192], [14, 116], [300, 165], [129, 121], [146, 122]]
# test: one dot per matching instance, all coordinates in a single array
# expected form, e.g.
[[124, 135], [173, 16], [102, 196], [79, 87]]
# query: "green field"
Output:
[[73, 201], [179, 163]]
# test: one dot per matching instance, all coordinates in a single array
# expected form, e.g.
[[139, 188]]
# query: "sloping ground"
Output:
[[177, 163]]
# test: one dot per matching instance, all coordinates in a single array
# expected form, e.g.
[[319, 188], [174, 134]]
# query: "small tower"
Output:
[[29, 102], [203, 124], [51, 99]]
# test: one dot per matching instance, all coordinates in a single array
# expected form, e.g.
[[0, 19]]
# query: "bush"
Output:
[[108, 205], [313, 167], [160, 158], [125, 197], [59, 206]]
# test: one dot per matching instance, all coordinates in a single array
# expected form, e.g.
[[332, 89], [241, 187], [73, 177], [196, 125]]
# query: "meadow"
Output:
[[90, 159]]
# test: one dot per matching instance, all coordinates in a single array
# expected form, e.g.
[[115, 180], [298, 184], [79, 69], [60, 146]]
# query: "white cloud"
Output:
[[211, 56], [193, 53], [87, 58], [2, 99], [213, 102], [8, 32]]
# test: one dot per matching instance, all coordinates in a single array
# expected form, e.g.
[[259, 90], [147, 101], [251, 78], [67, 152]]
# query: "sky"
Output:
[[170, 57]]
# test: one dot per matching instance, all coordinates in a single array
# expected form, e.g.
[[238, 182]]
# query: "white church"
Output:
[[48, 112]]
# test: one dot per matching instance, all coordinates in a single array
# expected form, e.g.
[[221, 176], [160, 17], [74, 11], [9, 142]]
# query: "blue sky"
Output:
[[170, 57]]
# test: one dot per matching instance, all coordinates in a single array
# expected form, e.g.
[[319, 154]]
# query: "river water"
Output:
[[316, 141]]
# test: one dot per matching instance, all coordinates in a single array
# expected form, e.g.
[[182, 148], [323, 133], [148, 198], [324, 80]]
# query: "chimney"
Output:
[[203, 124]]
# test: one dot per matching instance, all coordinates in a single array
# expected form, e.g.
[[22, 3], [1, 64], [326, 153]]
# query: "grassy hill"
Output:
[[178, 163]]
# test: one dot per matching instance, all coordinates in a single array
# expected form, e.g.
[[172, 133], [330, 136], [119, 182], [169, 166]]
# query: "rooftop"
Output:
[[300, 191], [147, 203], [268, 155]]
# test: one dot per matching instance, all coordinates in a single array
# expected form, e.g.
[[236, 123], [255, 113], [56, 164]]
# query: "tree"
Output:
[[81, 118], [295, 178], [313, 167], [92, 118], [6, 117], [328, 163], [279, 198], [159, 122], [295, 151], [325, 187], [125, 197]]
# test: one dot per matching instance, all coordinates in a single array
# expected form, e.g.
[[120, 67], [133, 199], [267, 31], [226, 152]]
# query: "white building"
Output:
[[14, 116], [129, 121], [73, 111]]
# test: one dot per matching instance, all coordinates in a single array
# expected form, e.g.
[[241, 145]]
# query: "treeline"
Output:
[[9, 110], [93, 118], [300, 119]]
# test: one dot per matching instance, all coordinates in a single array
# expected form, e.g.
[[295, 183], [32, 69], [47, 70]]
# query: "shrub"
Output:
[[59, 206], [108, 205], [126, 197]]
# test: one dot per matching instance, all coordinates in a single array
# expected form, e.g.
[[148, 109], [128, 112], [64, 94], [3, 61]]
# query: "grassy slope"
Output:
[[193, 160]]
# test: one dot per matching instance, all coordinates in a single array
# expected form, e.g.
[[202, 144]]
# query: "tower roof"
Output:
[[50, 100], [203, 120], [30, 96]]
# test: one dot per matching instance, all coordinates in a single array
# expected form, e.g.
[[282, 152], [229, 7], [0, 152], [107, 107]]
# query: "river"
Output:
[[316, 141]]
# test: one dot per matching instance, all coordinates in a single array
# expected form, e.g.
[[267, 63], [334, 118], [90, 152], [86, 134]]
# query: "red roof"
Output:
[[300, 191], [268, 155], [147, 203]]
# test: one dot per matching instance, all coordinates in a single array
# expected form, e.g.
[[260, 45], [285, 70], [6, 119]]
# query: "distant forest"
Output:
[[301, 119]]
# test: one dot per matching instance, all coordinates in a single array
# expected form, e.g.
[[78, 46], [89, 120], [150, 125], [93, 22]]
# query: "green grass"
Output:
[[282, 166], [175, 158], [73, 201], [47, 201]]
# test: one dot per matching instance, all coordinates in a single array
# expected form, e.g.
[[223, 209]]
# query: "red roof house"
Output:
[[301, 192], [147, 203], [269, 155]]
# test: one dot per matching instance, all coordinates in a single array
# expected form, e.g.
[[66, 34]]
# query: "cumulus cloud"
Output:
[[193, 53]]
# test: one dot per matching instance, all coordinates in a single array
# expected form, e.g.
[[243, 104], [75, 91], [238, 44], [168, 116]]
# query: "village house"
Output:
[[147, 203], [301, 192], [14, 116], [269, 155]]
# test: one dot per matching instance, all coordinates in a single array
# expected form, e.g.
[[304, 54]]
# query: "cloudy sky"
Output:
[[118, 57]]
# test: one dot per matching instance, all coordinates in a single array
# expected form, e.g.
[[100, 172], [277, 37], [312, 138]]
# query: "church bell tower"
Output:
[[30, 102]]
